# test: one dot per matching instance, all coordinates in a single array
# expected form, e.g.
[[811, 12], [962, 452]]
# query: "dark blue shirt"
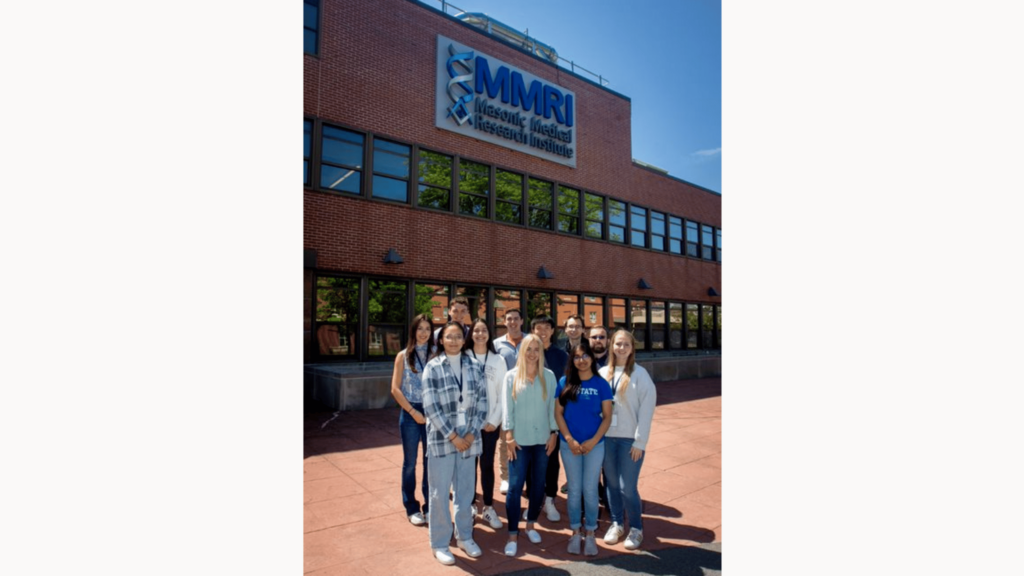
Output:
[[583, 417], [555, 359]]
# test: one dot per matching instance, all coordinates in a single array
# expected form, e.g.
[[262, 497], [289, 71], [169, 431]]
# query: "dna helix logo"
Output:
[[460, 75]]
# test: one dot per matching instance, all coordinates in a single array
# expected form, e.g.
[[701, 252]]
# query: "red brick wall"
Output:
[[376, 71]]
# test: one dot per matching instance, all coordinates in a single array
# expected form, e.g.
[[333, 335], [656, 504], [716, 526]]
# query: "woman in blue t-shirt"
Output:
[[583, 413]]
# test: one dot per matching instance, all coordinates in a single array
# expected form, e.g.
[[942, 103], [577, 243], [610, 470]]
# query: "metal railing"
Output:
[[563, 62]]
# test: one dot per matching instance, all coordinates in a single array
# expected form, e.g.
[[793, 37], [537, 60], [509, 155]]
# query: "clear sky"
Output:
[[664, 55]]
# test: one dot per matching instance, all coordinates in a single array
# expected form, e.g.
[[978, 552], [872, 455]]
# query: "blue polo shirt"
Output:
[[583, 417]]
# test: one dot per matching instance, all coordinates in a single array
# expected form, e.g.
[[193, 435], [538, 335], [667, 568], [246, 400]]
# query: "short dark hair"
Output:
[[542, 320], [510, 310], [597, 327], [459, 300], [576, 317]]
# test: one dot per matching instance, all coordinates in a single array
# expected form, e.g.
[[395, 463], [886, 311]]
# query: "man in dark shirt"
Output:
[[599, 346], [556, 360]]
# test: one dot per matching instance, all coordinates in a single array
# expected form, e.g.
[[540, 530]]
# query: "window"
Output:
[[675, 325], [390, 171], [474, 184], [337, 316], [616, 221], [568, 210], [639, 319], [594, 206], [307, 144], [718, 326], [707, 241], [718, 244], [691, 239], [593, 309], [477, 297], [658, 231], [430, 299], [341, 160], [658, 326], [505, 300], [565, 305], [638, 226], [386, 308], [537, 304], [618, 311], [541, 201], [435, 180], [311, 25], [675, 235], [692, 325], [707, 325], [508, 188]]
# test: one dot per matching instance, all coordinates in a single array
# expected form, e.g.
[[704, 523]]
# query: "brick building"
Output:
[[423, 128]]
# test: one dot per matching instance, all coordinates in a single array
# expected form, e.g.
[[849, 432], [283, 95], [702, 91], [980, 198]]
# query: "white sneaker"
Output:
[[510, 548], [417, 519], [444, 556], [504, 487], [472, 509], [613, 534], [491, 517], [549, 509], [634, 539], [472, 550], [533, 536]]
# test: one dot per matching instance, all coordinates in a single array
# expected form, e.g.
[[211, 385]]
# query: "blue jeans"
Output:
[[530, 461], [583, 473], [621, 475], [456, 475], [413, 436]]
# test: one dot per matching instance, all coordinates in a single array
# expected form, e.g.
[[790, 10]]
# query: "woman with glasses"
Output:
[[455, 403], [583, 412], [634, 397], [530, 430], [482, 348], [407, 388]]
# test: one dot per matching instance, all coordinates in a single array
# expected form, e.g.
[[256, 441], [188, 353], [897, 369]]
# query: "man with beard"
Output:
[[599, 346]]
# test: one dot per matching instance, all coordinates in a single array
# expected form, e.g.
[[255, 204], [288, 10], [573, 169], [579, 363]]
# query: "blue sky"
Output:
[[664, 55]]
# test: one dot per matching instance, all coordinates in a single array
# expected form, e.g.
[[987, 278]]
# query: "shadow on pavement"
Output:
[[681, 560]]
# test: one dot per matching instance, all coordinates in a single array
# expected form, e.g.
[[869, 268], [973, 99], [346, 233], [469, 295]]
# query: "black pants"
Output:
[[554, 467], [490, 443]]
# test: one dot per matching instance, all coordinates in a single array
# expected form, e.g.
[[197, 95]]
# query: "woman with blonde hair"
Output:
[[530, 430], [633, 400]]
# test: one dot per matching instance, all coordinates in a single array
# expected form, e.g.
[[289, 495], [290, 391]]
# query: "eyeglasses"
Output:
[[580, 358], [598, 337]]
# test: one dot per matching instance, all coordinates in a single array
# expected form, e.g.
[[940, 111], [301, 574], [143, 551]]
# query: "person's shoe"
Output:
[[472, 509], [444, 556], [491, 517], [613, 534], [417, 519], [574, 544], [510, 548], [634, 539], [472, 550], [504, 487], [549, 509], [533, 536], [590, 546]]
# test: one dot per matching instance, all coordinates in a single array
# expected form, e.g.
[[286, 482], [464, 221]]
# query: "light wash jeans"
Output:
[[583, 473], [444, 473], [621, 475]]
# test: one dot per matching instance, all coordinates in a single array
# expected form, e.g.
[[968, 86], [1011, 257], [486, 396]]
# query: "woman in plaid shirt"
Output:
[[455, 404]]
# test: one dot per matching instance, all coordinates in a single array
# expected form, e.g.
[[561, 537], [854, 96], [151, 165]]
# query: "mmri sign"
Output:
[[485, 98]]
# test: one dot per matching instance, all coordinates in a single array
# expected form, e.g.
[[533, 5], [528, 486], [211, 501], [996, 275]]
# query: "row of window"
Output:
[[361, 164], [366, 319]]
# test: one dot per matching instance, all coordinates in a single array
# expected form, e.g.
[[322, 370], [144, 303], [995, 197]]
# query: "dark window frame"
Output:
[[637, 219], [315, 30]]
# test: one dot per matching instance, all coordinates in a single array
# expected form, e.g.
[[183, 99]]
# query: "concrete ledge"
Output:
[[368, 386]]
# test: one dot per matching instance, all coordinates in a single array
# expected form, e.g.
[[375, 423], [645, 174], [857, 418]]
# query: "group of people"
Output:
[[466, 396]]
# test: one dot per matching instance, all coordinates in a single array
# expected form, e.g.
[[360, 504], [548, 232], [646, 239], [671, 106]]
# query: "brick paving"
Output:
[[354, 521]]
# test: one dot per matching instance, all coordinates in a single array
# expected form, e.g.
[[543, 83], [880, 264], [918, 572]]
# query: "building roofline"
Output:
[[518, 48], [666, 175]]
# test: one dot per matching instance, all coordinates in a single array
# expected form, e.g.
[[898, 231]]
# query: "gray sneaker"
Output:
[[590, 546], [634, 539], [574, 544]]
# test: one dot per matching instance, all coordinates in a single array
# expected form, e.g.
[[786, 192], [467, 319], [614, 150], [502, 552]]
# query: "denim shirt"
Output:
[[412, 386]]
